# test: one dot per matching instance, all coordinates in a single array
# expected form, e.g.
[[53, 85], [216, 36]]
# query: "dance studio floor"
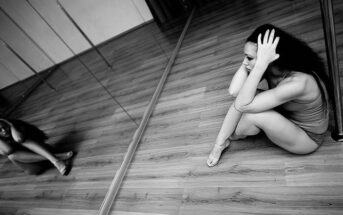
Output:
[[168, 174]]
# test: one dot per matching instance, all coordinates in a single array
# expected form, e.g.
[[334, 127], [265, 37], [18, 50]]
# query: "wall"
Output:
[[99, 19]]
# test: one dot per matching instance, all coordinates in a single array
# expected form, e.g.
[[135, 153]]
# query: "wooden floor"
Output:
[[168, 174]]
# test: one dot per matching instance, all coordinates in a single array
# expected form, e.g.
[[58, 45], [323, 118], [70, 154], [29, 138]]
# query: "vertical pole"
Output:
[[331, 52], [83, 34]]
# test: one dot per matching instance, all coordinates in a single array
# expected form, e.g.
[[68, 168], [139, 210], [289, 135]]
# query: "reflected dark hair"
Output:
[[296, 55], [6, 127]]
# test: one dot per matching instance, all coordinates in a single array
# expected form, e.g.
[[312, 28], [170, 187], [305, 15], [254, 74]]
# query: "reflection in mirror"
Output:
[[94, 110]]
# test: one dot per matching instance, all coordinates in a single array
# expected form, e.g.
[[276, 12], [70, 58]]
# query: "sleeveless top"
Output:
[[312, 116]]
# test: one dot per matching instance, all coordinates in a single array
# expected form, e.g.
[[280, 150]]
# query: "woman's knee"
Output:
[[7, 151], [11, 157], [5, 148], [252, 123], [246, 126]]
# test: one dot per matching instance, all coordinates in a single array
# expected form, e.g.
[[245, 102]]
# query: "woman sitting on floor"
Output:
[[293, 112]]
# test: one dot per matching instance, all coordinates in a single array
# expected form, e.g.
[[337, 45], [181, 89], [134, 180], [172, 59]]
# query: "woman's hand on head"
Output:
[[266, 49]]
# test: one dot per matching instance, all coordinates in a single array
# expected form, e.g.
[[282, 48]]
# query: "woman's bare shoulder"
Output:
[[306, 82], [297, 78]]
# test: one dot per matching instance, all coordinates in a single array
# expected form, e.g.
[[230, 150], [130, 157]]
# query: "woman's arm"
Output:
[[269, 99], [265, 55], [15, 133], [238, 81]]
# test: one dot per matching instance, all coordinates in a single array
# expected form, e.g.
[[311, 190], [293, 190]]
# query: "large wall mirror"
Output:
[[92, 102]]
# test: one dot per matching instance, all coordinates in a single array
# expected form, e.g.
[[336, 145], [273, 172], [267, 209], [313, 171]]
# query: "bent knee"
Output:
[[7, 151], [246, 126], [11, 156]]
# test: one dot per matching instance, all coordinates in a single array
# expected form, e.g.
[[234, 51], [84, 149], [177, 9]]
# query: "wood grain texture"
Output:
[[169, 174]]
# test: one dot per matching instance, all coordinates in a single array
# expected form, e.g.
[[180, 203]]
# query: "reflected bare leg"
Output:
[[30, 157], [30, 168], [42, 150]]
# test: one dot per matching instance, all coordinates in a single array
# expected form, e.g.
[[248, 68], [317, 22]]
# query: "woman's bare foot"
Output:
[[61, 167], [216, 153]]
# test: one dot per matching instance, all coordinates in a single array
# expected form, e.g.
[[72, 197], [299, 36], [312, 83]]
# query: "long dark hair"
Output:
[[296, 55]]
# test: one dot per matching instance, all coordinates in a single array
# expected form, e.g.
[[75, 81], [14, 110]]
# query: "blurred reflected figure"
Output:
[[24, 145]]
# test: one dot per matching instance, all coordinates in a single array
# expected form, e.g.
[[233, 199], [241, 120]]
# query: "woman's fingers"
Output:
[[271, 36], [266, 36], [259, 41], [276, 41], [266, 51]]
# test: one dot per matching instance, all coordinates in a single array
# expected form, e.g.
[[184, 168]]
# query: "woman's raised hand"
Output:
[[266, 49]]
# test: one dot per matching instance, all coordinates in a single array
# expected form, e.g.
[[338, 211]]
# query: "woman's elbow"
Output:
[[239, 107], [233, 93]]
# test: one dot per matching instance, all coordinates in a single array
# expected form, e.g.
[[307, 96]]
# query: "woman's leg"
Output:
[[31, 157], [280, 131], [30, 168], [228, 127], [45, 152]]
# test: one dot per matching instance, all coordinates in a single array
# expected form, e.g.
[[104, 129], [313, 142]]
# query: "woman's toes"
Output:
[[61, 167], [211, 162], [215, 155]]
